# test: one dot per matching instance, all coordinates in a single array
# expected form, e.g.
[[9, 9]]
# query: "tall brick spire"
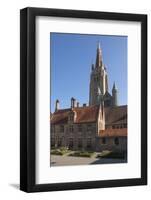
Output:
[[98, 56], [98, 78]]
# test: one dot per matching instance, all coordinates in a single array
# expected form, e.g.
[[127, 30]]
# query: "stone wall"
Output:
[[111, 143], [74, 136], [84, 137]]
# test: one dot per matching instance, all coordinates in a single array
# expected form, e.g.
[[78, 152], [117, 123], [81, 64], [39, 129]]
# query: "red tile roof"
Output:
[[113, 115], [113, 132], [116, 115], [86, 114], [60, 116], [83, 115]]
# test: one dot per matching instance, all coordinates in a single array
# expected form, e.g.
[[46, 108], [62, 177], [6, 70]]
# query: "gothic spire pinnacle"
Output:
[[98, 56], [114, 95], [114, 86], [98, 45], [92, 65]]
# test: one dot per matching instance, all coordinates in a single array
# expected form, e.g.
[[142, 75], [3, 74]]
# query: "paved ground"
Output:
[[72, 160]]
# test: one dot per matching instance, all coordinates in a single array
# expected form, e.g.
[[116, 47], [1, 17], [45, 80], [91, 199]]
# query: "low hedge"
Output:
[[82, 154], [61, 151], [112, 154]]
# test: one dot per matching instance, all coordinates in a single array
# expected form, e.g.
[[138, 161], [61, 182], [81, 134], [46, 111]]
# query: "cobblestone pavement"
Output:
[[72, 160]]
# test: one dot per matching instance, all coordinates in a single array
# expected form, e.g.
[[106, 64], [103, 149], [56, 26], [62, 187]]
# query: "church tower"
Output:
[[98, 79]]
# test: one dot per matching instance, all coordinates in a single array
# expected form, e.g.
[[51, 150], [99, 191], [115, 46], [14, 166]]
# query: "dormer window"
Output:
[[71, 117]]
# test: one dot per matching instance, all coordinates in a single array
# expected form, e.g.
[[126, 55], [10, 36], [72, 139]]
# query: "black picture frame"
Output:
[[28, 98]]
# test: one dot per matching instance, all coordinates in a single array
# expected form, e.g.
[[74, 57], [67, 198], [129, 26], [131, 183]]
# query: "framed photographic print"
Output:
[[83, 99]]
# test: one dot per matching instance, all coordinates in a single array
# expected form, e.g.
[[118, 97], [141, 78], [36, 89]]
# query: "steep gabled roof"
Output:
[[113, 115], [83, 115], [116, 115]]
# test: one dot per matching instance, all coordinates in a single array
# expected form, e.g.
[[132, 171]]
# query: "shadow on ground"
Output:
[[108, 161], [15, 185]]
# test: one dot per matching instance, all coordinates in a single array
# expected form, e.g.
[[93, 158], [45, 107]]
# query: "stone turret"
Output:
[[57, 105], [115, 95]]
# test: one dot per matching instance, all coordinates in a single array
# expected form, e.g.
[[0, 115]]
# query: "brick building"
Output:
[[101, 125]]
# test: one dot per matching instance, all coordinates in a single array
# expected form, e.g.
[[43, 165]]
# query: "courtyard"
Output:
[[57, 160]]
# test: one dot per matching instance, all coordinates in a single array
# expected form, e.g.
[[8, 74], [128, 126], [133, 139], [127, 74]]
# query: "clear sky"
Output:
[[71, 58]]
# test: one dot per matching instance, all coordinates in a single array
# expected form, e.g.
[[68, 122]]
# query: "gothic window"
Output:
[[116, 141], [107, 103]]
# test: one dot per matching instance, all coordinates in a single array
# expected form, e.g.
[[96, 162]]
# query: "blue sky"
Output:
[[71, 58]]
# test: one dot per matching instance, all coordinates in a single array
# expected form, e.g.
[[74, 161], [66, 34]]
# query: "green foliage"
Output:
[[112, 154], [62, 151], [83, 154]]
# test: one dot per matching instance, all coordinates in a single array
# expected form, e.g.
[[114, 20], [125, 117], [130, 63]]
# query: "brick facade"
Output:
[[100, 126]]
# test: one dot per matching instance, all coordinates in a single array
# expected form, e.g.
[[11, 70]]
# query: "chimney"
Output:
[[84, 105], [57, 105], [77, 104], [73, 102]]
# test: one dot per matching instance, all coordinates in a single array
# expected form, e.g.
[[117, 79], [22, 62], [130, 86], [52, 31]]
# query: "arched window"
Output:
[[116, 141]]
